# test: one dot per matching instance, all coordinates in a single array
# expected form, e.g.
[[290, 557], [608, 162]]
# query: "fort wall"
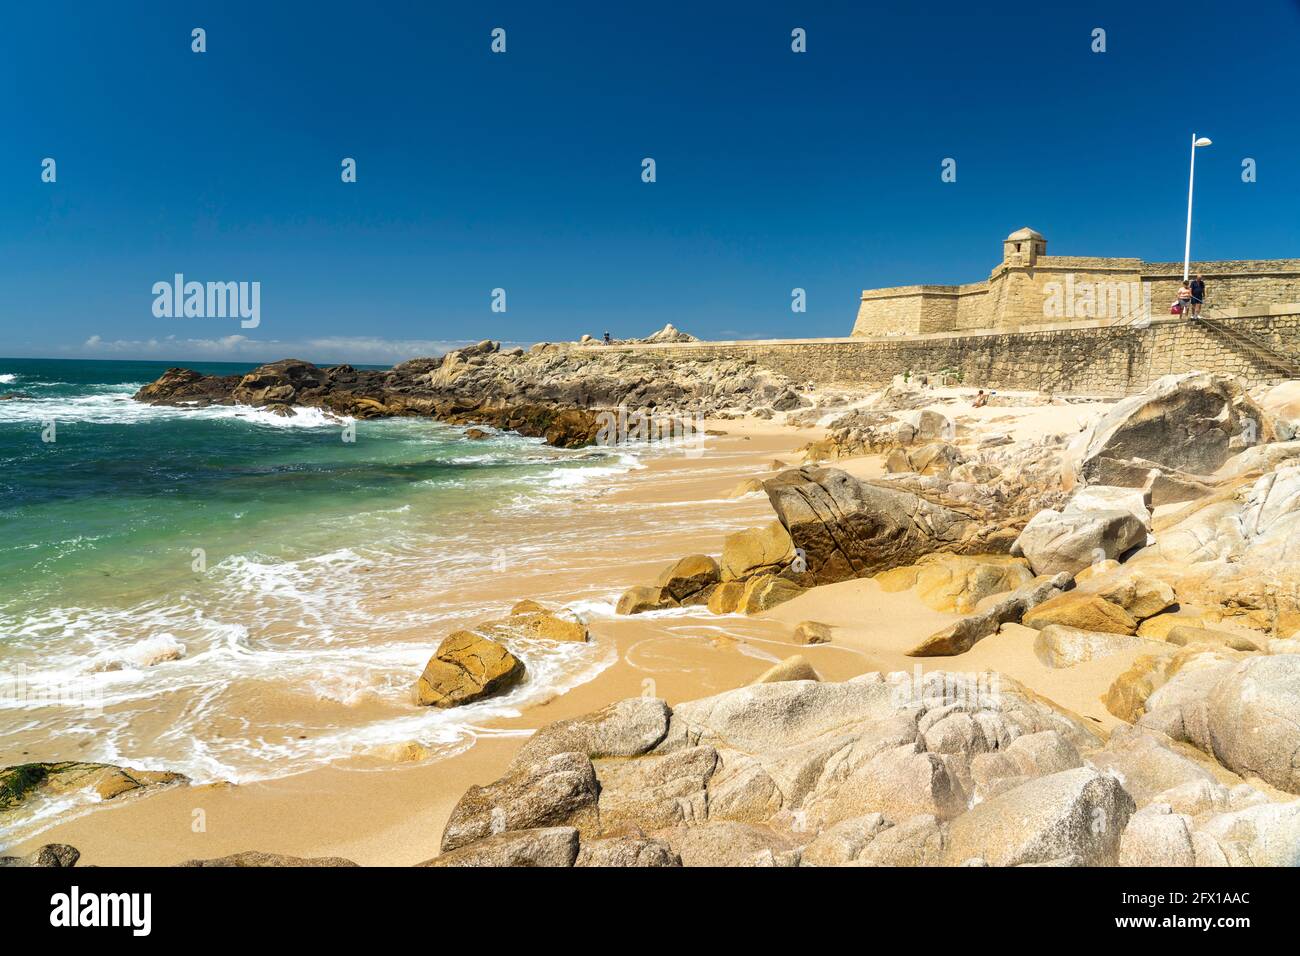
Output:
[[1030, 289], [1085, 358]]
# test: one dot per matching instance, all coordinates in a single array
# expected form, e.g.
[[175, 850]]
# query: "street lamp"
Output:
[[1191, 176]]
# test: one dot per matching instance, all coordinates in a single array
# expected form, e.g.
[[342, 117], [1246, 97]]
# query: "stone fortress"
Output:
[[1029, 288], [1072, 325]]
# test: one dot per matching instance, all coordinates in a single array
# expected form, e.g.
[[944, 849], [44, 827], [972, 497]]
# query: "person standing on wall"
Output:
[[1185, 299], [1198, 294]]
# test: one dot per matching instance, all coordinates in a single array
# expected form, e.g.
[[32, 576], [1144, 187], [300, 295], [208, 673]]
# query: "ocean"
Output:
[[234, 595]]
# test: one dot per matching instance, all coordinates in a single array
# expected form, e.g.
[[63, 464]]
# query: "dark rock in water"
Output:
[[13, 396], [258, 858], [51, 855]]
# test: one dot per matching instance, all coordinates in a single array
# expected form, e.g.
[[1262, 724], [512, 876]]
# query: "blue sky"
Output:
[[522, 170]]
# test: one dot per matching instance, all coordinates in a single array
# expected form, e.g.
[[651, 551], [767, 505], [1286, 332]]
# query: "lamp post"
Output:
[[1191, 178]]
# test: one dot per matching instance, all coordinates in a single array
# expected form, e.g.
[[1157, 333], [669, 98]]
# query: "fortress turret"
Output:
[[1023, 247]]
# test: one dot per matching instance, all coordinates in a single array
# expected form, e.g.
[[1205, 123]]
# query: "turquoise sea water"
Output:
[[113, 507], [197, 575]]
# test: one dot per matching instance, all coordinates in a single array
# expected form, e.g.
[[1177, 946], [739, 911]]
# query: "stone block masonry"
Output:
[[1094, 358], [1029, 288]]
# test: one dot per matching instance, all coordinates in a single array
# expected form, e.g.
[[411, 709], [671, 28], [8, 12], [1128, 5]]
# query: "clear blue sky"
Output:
[[523, 171]]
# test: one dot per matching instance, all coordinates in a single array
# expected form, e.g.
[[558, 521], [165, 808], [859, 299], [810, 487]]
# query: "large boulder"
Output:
[[1253, 717], [1070, 541], [465, 668], [1282, 401], [1113, 498], [626, 728], [844, 528], [1075, 816], [1078, 609], [1058, 645], [764, 550], [531, 619], [1191, 422], [690, 579], [560, 790]]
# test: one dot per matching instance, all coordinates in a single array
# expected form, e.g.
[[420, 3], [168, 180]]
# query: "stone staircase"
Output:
[[1255, 348]]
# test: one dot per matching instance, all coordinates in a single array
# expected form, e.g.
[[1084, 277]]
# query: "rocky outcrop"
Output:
[[570, 397], [1074, 817], [1071, 540], [1243, 713], [1189, 423], [947, 769], [843, 528], [542, 846], [879, 428]]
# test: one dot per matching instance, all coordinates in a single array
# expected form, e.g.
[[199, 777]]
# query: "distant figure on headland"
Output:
[[607, 339], [1198, 294]]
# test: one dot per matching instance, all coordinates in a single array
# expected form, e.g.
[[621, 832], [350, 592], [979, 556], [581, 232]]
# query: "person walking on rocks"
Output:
[[1197, 286]]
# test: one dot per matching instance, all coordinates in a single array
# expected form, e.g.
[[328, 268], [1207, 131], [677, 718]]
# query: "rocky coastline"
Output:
[[570, 397], [1153, 548]]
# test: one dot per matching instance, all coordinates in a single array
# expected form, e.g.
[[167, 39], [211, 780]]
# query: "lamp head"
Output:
[[1203, 141]]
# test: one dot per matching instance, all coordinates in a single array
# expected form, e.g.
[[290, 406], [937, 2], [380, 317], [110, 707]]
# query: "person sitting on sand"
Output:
[[980, 399]]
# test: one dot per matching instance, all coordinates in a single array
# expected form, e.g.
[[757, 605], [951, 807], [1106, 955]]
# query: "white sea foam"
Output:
[[115, 406], [325, 637], [7, 378]]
